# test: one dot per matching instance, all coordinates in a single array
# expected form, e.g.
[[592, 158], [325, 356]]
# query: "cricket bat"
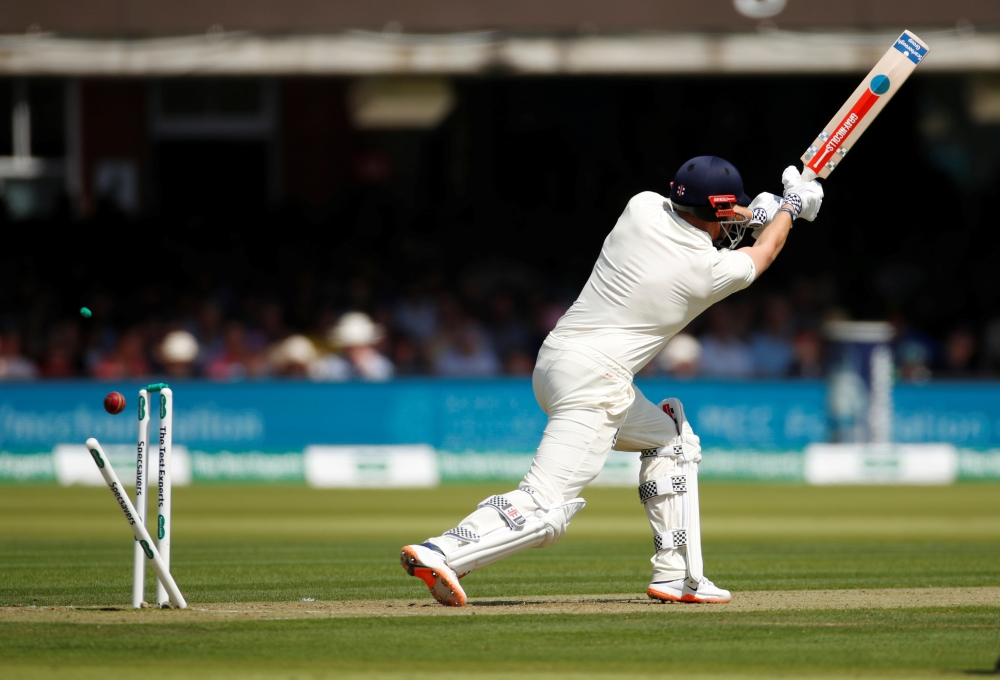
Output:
[[861, 108]]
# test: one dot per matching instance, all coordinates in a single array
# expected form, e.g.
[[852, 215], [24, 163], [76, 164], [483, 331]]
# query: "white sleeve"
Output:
[[731, 271]]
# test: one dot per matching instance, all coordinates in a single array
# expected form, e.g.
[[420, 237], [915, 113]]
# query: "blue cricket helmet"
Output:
[[705, 176]]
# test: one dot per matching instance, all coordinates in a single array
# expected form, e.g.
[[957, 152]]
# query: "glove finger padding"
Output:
[[791, 177], [690, 443], [763, 208], [807, 194]]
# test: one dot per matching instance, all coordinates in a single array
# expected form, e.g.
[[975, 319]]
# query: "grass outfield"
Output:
[[244, 545]]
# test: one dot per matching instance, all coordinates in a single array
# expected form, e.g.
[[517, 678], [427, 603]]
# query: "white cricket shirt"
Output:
[[655, 274]]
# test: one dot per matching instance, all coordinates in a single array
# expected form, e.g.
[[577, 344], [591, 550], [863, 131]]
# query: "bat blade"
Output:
[[861, 108]]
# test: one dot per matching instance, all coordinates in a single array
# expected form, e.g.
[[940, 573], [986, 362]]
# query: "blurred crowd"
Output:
[[454, 251], [466, 329]]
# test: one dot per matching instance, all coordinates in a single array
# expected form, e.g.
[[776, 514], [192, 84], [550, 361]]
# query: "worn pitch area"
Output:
[[758, 601]]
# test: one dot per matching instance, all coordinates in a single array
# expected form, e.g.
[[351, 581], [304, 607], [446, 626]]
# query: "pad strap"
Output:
[[463, 534], [671, 450], [666, 486], [510, 514], [539, 499], [672, 539]]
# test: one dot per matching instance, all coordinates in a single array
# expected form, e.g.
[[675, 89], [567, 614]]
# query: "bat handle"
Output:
[[808, 175]]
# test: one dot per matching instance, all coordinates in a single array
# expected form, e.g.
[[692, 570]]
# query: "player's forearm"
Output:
[[770, 242]]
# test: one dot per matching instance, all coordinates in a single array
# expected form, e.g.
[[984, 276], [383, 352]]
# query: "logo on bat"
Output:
[[879, 84], [841, 132]]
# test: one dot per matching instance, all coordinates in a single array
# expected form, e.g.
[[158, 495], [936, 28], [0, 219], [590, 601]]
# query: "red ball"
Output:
[[114, 403]]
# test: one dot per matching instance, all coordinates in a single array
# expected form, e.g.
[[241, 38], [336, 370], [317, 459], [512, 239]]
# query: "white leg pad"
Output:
[[665, 511], [695, 564], [504, 525], [669, 491]]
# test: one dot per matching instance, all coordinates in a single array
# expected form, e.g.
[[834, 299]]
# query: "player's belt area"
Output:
[[601, 359]]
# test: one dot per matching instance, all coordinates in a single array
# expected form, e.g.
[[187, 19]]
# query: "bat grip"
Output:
[[808, 175]]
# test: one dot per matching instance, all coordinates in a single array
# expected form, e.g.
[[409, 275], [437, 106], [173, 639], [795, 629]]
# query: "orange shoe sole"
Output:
[[667, 597], [444, 586]]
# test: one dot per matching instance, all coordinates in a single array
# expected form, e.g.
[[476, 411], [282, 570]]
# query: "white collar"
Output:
[[684, 223]]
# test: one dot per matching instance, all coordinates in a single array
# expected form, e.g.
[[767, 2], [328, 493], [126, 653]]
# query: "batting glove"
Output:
[[805, 198], [691, 443], [764, 208]]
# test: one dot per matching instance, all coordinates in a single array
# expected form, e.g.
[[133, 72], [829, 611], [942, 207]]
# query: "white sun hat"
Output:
[[355, 329], [682, 349], [295, 349], [178, 347]]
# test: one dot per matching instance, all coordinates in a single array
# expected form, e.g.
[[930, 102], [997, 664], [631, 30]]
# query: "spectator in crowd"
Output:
[[772, 348], [916, 351], [178, 353], [486, 321], [508, 332], [235, 360], [519, 362], [102, 340], [13, 364], [416, 314], [808, 346], [548, 316], [208, 332], [959, 353], [990, 359], [681, 357], [272, 322], [913, 359], [450, 317], [359, 337], [407, 357], [467, 352], [723, 354], [62, 352], [128, 360], [356, 335], [293, 356]]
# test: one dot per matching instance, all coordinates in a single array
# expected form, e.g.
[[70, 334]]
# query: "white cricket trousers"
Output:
[[592, 407]]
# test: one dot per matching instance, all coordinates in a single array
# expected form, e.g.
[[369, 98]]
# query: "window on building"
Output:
[[214, 146], [33, 146]]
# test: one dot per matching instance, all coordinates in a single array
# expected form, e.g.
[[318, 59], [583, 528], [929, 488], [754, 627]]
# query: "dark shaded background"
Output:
[[515, 193]]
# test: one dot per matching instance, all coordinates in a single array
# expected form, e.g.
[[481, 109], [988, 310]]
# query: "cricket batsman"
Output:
[[664, 263]]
